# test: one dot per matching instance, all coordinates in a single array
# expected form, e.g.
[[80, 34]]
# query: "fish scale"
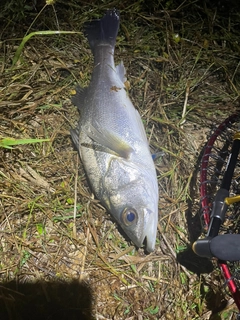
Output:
[[112, 142]]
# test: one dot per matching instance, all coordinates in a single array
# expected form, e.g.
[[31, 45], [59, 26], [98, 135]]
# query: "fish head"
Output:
[[133, 201]]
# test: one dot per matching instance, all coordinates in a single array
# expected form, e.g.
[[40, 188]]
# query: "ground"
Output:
[[61, 254]]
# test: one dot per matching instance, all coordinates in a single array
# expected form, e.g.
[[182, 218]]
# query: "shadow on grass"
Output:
[[45, 300]]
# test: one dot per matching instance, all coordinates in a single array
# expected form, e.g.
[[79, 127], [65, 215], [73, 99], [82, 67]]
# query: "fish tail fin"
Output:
[[103, 31]]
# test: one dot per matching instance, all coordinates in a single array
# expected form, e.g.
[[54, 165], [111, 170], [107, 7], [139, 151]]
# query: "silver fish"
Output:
[[112, 142]]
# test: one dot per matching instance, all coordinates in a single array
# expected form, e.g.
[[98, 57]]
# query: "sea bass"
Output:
[[112, 142]]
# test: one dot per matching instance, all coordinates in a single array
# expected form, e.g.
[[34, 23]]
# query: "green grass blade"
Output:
[[30, 35], [9, 142]]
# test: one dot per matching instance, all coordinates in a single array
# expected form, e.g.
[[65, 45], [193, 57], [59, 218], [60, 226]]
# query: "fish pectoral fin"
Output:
[[110, 141]]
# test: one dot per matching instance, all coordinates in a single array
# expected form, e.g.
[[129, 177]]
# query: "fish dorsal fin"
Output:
[[141, 127], [79, 96], [121, 71], [110, 141]]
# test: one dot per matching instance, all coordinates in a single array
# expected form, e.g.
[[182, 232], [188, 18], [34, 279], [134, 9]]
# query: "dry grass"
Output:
[[53, 266]]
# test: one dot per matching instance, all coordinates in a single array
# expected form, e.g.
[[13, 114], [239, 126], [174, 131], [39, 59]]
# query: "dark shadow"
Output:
[[45, 301], [193, 211], [194, 263], [216, 302]]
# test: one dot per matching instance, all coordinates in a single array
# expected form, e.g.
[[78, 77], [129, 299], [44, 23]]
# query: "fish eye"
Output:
[[129, 216]]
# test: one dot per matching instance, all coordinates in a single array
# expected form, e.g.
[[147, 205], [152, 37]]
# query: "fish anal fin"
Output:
[[75, 138], [121, 72], [79, 96]]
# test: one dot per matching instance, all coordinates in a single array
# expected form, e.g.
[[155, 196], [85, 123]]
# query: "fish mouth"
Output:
[[146, 242], [150, 234], [149, 244]]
